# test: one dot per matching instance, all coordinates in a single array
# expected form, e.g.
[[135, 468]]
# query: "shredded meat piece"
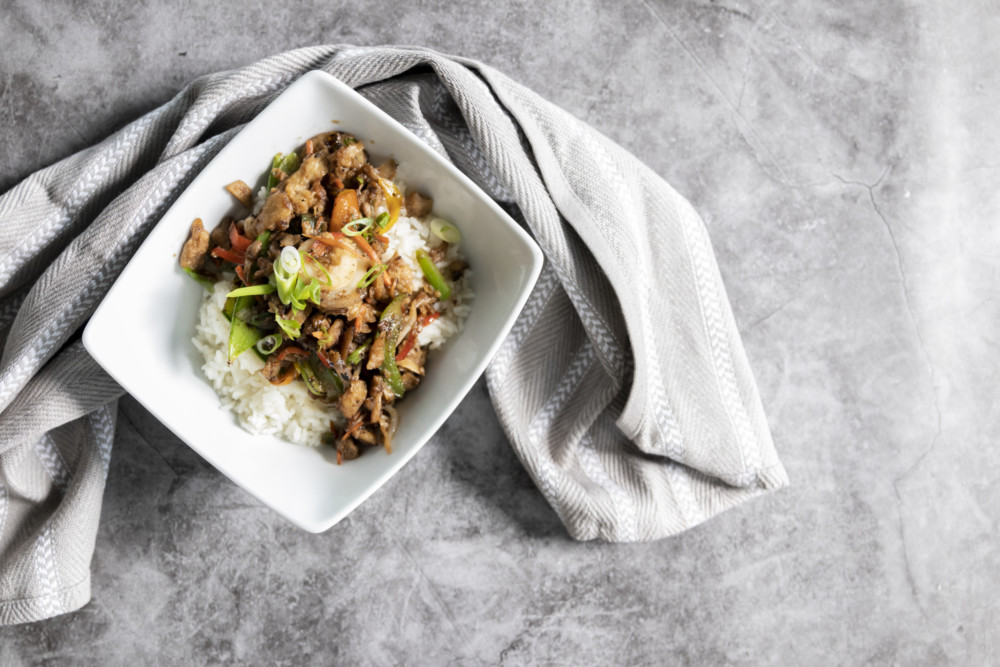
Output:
[[376, 353], [195, 249], [220, 235], [274, 366], [251, 255], [388, 169], [371, 198], [374, 402], [348, 161], [417, 205], [365, 436], [299, 187], [276, 214], [414, 361], [410, 381], [352, 398], [347, 449]]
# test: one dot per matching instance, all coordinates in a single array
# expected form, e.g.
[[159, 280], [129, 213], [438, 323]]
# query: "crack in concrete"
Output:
[[771, 314], [905, 287]]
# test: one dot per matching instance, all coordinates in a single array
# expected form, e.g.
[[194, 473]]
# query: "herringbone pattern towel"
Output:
[[623, 387]]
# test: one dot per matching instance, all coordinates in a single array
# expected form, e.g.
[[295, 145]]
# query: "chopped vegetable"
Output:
[[286, 163], [390, 322], [242, 336], [227, 255], [371, 275], [290, 163], [251, 290], [272, 180], [268, 344], [345, 209], [291, 328], [200, 279], [393, 201], [357, 227], [355, 357], [239, 242], [382, 220], [411, 340], [445, 231], [309, 377], [313, 262], [286, 273], [432, 274]]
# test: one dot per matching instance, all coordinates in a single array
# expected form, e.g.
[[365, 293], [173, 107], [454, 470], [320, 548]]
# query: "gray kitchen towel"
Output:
[[623, 386]]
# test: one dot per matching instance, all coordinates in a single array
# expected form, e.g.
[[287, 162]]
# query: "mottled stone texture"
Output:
[[844, 158]]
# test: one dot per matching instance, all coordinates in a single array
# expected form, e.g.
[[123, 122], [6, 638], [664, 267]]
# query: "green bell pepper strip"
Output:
[[333, 386], [391, 322], [433, 276], [313, 384], [286, 163]]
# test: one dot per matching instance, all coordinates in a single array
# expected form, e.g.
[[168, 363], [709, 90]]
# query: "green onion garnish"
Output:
[[356, 227], [291, 328], [355, 356], [382, 220], [445, 231], [251, 290], [371, 275], [432, 274], [268, 344], [316, 262]]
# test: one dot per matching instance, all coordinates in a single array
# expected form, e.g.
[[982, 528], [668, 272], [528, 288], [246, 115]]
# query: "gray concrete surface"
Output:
[[844, 158]]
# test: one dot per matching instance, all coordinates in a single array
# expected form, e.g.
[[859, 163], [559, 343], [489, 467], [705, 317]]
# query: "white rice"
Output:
[[289, 411]]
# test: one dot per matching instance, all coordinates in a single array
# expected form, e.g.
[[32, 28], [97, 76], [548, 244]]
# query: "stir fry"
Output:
[[316, 294]]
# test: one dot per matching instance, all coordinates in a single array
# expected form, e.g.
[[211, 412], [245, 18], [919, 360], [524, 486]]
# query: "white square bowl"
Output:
[[160, 367]]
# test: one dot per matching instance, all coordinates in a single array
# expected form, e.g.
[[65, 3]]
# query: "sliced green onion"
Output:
[[347, 141], [201, 280], [291, 260], [356, 227], [355, 356], [361, 182], [445, 231], [268, 344], [251, 290], [326, 274], [382, 220], [371, 275], [306, 292], [286, 274], [432, 274], [291, 328]]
